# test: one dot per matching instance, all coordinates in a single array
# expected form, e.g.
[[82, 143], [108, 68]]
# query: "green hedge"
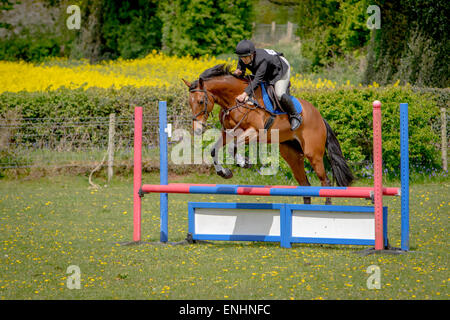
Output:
[[348, 111]]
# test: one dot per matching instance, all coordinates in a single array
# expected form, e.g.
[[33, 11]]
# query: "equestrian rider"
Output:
[[271, 67]]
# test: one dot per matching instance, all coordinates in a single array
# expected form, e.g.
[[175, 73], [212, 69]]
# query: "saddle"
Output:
[[270, 99], [273, 105]]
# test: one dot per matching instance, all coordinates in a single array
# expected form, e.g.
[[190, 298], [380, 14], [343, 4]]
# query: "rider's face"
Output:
[[247, 59]]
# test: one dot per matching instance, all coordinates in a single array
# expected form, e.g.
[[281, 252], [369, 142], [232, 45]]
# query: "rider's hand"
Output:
[[242, 97], [237, 72]]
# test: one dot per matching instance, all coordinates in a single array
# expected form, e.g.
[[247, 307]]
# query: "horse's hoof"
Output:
[[225, 173], [219, 173], [243, 162], [246, 164]]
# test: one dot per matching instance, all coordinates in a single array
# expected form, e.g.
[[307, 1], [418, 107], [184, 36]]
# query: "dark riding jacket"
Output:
[[266, 66]]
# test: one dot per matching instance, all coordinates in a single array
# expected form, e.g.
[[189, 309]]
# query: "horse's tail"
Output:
[[341, 172]]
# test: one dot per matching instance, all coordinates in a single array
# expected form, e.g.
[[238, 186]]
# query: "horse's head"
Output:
[[201, 102]]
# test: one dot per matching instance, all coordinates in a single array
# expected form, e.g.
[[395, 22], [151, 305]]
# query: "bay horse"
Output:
[[219, 85]]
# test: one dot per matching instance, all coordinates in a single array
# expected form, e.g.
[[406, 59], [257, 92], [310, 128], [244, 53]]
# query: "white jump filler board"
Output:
[[284, 223], [237, 221]]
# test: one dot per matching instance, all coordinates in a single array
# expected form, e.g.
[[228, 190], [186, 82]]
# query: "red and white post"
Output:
[[137, 180], [378, 176]]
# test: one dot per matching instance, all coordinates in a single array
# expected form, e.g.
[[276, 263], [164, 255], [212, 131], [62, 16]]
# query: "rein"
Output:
[[241, 105], [226, 112]]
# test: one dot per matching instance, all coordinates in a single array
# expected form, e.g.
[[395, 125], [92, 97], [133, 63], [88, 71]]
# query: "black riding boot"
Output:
[[288, 106]]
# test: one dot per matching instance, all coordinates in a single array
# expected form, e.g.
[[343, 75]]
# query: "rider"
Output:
[[271, 67]]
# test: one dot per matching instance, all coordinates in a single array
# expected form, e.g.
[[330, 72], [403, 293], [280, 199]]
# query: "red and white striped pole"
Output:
[[378, 175], [137, 178]]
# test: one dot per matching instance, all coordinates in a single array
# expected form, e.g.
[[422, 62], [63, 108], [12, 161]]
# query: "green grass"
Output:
[[46, 157], [48, 224]]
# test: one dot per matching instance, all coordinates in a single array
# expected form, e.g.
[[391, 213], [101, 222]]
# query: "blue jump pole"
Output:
[[404, 176], [164, 171]]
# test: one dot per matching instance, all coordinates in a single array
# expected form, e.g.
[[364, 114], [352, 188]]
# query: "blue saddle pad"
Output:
[[269, 106]]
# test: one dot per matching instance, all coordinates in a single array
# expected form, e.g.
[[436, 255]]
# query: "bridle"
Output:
[[227, 111], [205, 109]]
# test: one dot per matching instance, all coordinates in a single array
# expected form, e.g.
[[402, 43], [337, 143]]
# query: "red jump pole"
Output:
[[137, 176], [378, 176]]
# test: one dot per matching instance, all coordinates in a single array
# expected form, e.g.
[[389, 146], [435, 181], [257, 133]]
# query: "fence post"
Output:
[[272, 31], [111, 134], [289, 31]]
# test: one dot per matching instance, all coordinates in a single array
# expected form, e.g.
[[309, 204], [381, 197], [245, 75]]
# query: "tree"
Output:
[[4, 6], [331, 28], [130, 29], [199, 27], [115, 28], [412, 45]]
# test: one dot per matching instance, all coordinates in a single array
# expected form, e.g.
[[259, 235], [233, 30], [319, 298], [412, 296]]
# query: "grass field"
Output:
[[48, 224]]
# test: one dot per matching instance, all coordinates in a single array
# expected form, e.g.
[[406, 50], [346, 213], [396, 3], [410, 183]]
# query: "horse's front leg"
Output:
[[220, 170]]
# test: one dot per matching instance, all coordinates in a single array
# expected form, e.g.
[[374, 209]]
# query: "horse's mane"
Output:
[[216, 71]]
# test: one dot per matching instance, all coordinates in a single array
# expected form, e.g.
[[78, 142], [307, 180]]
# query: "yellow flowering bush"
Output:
[[157, 70]]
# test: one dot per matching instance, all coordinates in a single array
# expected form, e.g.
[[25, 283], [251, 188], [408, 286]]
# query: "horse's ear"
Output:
[[200, 83], [186, 83]]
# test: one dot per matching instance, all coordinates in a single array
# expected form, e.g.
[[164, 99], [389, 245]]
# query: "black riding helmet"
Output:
[[245, 48]]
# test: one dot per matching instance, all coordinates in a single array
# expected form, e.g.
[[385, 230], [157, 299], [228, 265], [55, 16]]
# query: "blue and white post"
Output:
[[164, 171], [404, 176]]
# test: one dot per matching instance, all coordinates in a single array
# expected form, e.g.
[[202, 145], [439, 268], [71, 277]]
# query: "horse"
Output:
[[217, 85]]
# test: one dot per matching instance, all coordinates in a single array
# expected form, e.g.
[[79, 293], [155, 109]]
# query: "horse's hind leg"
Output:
[[291, 152], [319, 167], [313, 140], [237, 149]]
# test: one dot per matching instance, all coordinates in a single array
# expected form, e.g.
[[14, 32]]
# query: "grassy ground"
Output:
[[48, 224]]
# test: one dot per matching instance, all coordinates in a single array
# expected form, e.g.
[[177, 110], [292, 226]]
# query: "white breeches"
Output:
[[282, 84]]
